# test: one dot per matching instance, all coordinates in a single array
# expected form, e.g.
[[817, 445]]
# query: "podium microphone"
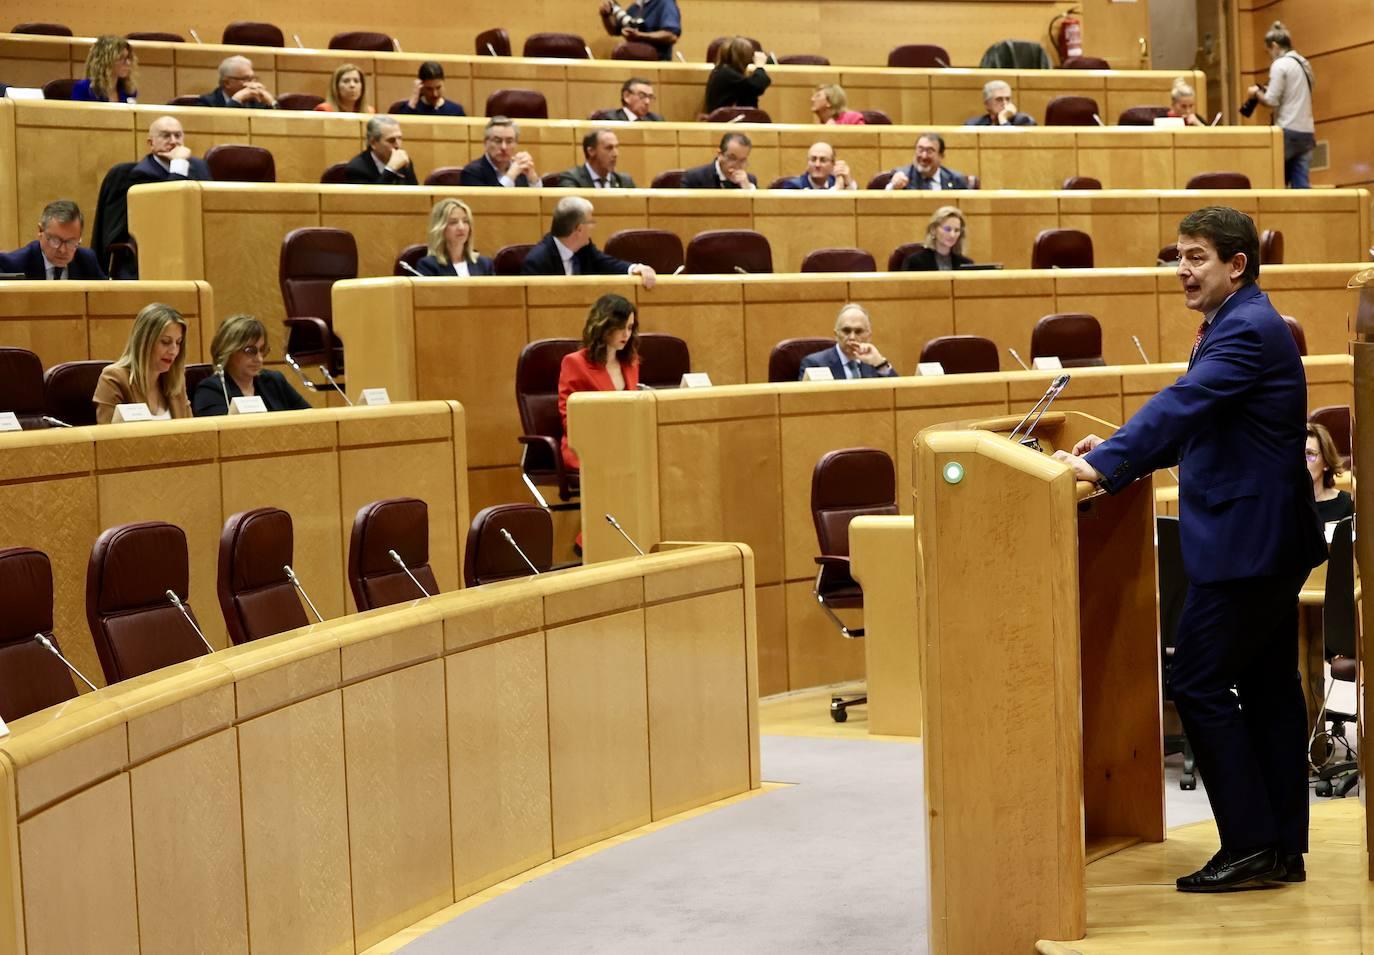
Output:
[[335, 385], [224, 388], [616, 524], [410, 268], [46, 644], [511, 541], [176, 602], [1024, 366], [1041, 406], [396, 559], [52, 422], [1140, 348], [309, 385], [296, 582]]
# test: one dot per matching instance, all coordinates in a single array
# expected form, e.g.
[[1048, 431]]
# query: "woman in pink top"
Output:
[[828, 104]]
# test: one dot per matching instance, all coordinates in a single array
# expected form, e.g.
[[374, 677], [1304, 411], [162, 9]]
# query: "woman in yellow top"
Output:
[[152, 369]]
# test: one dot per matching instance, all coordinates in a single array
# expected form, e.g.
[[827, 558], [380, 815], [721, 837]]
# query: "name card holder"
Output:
[[1046, 363], [695, 379], [247, 404], [375, 396], [927, 368], [817, 374], [134, 411], [9, 421]]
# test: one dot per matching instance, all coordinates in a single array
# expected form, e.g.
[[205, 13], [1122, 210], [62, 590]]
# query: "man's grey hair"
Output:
[[992, 86], [570, 213], [376, 124], [226, 64], [62, 211], [852, 307], [500, 121]]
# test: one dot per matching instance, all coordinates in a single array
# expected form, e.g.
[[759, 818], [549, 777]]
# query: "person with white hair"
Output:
[[238, 87], [1000, 110], [567, 248]]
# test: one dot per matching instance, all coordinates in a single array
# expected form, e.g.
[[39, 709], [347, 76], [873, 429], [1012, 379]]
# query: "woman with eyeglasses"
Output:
[[943, 247], [240, 347], [111, 72], [1324, 465]]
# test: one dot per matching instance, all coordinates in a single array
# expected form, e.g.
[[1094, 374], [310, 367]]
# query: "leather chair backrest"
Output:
[[1082, 182], [1084, 63], [1075, 338], [59, 89], [43, 29], [803, 59], [1072, 111], [536, 385], [784, 361], [445, 175], [657, 248], [299, 101], [875, 117], [1271, 247], [1336, 420], [714, 46], [21, 386], [1062, 249], [1141, 115], [255, 596], [494, 39], [738, 114], [663, 360], [336, 174], [668, 179], [411, 255], [312, 260], [1219, 180], [900, 255], [195, 374], [1168, 255], [720, 251], [68, 388], [239, 162], [1299, 337], [562, 46], [550, 179], [490, 557], [880, 181], [518, 104], [400, 524], [31, 678], [509, 259], [838, 260], [365, 40], [963, 354], [634, 50], [918, 55], [605, 115], [184, 101], [248, 33], [136, 629], [850, 483], [155, 36]]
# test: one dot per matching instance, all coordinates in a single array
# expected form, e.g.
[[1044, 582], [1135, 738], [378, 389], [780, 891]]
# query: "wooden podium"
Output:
[[1043, 743]]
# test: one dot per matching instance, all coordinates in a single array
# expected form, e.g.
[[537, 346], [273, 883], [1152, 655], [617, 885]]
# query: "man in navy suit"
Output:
[[928, 170], [636, 97], [168, 156], [730, 170], [1235, 424], [854, 354], [601, 152], [567, 249], [501, 164], [57, 252], [238, 87], [823, 171], [383, 162]]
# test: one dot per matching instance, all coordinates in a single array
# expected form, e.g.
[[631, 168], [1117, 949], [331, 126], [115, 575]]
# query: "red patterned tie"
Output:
[[1201, 330]]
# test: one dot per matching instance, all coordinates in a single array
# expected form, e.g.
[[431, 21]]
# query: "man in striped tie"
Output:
[[600, 151]]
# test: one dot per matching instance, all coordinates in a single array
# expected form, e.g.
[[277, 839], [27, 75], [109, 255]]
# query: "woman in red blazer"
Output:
[[607, 361]]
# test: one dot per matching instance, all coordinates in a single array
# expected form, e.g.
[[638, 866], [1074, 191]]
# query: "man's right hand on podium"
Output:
[[1086, 445]]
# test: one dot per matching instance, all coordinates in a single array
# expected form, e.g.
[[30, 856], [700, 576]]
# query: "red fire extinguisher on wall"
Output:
[[1066, 30]]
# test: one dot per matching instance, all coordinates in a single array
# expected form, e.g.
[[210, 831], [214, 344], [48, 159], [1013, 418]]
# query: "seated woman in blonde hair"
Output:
[[828, 104], [152, 370], [450, 243]]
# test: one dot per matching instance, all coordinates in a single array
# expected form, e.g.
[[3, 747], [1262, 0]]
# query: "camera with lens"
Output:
[[1247, 109], [622, 19]]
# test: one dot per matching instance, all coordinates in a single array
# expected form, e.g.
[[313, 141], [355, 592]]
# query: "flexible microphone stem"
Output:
[[296, 582], [396, 559], [1140, 348], [52, 422], [1055, 389], [223, 386], [335, 385], [410, 268], [492, 50], [194, 35], [1024, 366], [616, 524], [1050, 394], [47, 644], [176, 602], [511, 541], [309, 385]]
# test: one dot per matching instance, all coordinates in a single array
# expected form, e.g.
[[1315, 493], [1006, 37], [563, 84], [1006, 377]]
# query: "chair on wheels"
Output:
[[1075, 338], [312, 260], [490, 557], [962, 354], [784, 361], [255, 595], [1338, 634], [31, 678], [536, 397], [848, 483], [399, 524], [1173, 587]]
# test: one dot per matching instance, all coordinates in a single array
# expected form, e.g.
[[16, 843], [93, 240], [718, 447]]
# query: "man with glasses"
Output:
[[56, 254], [239, 87], [568, 249], [168, 155], [730, 169], [854, 355], [636, 102], [501, 165], [928, 171]]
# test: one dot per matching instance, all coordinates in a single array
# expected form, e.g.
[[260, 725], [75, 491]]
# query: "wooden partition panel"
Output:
[[320, 790], [60, 488]]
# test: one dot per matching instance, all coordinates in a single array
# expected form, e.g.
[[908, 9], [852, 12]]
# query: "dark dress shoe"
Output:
[[1230, 872], [1294, 869]]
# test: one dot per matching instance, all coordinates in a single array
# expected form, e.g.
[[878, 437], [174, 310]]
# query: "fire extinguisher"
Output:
[[1066, 30]]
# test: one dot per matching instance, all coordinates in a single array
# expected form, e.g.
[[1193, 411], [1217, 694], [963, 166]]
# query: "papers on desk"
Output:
[[1330, 530]]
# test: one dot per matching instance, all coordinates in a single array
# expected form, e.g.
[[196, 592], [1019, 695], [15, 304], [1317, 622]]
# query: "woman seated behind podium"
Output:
[[450, 243], [607, 361], [240, 347], [1324, 464], [943, 246], [111, 72], [152, 370], [347, 92]]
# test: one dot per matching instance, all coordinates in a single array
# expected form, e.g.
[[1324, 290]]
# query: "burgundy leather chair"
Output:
[[1336, 419], [714, 47], [312, 260], [918, 55], [68, 388], [255, 595], [881, 180], [741, 114], [900, 255], [634, 50], [411, 255], [725, 251], [155, 36], [493, 42], [239, 162], [1082, 182], [963, 354], [195, 374], [1167, 255], [803, 59], [445, 176], [784, 361], [31, 678], [875, 117], [337, 174], [560, 46], [299, 101], [606, 115], [668, 179], [536, 398], [1219, 180], [550, 180], [43, 29], [838, 260], [1084, 63], [1299, 336], [848, 483], [1141, 115], [21, 387], [518, 104], [663, 360], [367, 41], [249, 33], [135, 626], [490, 557], [1062, 249], [400, 524], [1271, 247], [59, 89], [509, 259], [1072, 111], [658, 248], [1075, 338]]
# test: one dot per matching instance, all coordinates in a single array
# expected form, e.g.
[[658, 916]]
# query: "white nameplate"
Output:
[[4, 730], [695, 379], [134, 411], [1046, 363], [1166, 122], [375, 396], [930, 368], [247, 404], [9, 421], [24, 92], [817, 374]]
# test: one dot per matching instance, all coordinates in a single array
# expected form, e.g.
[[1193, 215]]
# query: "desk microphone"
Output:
[[1041, 406], [335, 385], [680, 57], [297, 38], [492, 50], [1140, 348], [396, 559], [1024, 366], [46, 644], [941, 63], [679, 269], [223, 387], [176, 602], [194, 35], [1215, 120], [309, 385], [511, 541], [410, 268], [296, 582], [1098, 120], [741, 271], [52, 422], [590, 54], [616, 524]]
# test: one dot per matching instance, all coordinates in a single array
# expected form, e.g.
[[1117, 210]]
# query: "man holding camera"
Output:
[[655, 22]]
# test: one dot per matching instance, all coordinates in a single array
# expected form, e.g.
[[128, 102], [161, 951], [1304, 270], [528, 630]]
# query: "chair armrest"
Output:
[[829, 561]]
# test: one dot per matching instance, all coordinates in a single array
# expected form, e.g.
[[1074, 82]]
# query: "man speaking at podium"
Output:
[[1250, 534]]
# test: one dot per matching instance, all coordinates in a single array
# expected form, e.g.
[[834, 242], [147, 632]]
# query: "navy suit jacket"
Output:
[[544, 259], [150, 170], [216, 97], [29, 260], [362, 171], [480, 172], [1236, 424], [804, 182], [949, 179], [429, 265], [704, 177], [830, 358]]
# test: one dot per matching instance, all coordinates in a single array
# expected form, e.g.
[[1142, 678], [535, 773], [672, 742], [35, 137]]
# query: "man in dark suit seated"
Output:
[[500, 164], [239, 87], [854, 354], [730, 170], [1001, 111], [168, 155], [1236, 423], [928, 171], [383, 162], [636, 98], [823, 171], [57, 252], [601, 150], [568, 249], [428, 98]]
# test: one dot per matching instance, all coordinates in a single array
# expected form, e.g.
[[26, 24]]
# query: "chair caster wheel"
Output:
[[1188, 783], [839, 715], [1323, 787]]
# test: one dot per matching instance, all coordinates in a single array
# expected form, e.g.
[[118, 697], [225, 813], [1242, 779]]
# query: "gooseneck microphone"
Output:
[[335, 385], [176, 602], [1024, 366], [1140, 348], [396, 559], [47, 644], [616, 524], [223, 386], [296, 582], [511, 541], [309, 385], [52, 422], [410, 268], [1041, 406]]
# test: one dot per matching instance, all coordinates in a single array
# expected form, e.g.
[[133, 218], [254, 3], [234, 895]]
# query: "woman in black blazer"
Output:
[[739, 78], [450, 243], [943, 246], [240, 347]]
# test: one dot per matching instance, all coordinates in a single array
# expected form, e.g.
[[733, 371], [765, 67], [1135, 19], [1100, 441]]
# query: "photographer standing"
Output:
[[655, 22], [1290, 94]]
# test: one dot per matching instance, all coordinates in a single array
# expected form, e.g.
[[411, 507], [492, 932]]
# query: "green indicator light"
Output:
[[954, 472]]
